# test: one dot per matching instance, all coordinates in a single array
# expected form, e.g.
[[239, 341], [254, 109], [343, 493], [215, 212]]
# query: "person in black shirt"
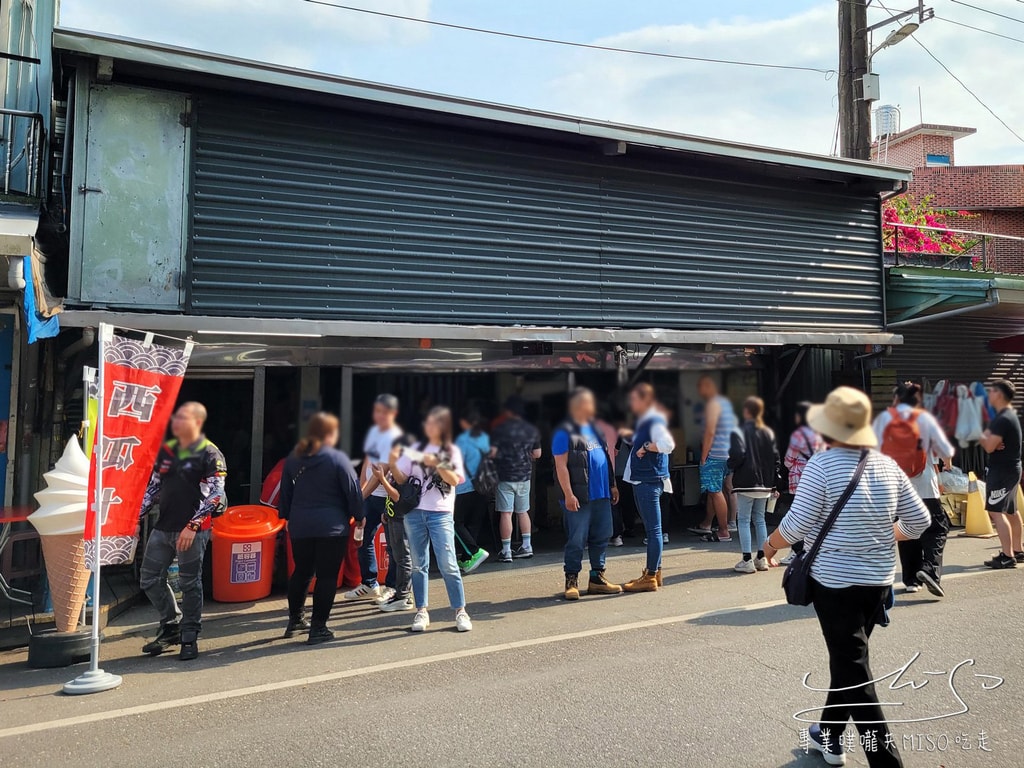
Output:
[[188, 487], [515, 445], [1002, 443]]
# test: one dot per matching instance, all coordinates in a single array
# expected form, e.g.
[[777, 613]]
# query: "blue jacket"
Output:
[[319, 494], [652, 466]]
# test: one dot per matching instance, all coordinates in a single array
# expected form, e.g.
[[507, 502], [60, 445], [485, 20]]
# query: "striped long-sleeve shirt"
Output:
[[860, 549]]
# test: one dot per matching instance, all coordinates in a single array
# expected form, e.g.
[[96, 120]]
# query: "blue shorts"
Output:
[[712, 475], [513, 497]]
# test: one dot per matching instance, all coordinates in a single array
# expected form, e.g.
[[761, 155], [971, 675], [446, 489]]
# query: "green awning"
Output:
[[917, 293]]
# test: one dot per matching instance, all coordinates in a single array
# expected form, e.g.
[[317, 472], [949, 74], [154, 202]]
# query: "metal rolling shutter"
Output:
[[957, 349], [332, 215]]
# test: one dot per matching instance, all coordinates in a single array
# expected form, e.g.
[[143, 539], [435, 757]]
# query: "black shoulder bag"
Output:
[[409, 494], [796, 581]]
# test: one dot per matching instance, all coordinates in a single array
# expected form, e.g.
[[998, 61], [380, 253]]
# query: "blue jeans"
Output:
[[748, 509], [161, 549], [648, 504], [589, 527], [373, 508], [438, 528]]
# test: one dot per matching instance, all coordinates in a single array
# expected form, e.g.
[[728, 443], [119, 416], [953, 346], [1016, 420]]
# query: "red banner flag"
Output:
[[140, 384]]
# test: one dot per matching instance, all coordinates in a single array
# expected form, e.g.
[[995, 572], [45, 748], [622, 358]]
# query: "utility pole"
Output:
[[858, 85], [854, 109]]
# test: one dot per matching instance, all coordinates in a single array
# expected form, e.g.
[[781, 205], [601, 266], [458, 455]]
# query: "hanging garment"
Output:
[[968, 420], [980, 392], [946, 407]]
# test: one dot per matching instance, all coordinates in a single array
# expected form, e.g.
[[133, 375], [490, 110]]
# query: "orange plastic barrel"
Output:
[[380, 546], [244, 540]]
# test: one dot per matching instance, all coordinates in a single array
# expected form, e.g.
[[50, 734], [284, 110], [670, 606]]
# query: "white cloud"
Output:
[[268, 30], [796, 110], [761, 106]]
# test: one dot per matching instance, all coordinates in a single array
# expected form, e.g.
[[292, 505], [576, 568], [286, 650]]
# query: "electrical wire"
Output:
[[986, 10], [972, 93], [978, 29], [960, 82], [591, 46]]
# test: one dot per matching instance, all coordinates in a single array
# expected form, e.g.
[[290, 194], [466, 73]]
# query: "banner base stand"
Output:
[[93, 681]]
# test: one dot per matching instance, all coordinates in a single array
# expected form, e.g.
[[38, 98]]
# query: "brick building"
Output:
[[993, 193]]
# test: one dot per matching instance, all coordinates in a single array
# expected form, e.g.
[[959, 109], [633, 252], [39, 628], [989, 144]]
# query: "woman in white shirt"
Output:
[[439, 468], [921, 559]]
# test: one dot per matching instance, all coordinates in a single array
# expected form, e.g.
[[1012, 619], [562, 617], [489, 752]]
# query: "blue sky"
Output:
[[777, 108]]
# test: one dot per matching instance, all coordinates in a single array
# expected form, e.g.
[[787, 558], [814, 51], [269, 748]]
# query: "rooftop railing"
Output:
[[971, 251]]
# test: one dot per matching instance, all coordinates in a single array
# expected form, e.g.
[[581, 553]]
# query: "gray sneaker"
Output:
[[523, 553]]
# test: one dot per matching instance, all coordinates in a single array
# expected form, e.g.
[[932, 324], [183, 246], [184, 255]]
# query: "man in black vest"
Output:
[[586, 476], [188, 488]]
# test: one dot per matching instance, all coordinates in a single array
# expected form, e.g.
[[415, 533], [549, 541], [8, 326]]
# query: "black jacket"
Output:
[[757, 469], [319, 494]]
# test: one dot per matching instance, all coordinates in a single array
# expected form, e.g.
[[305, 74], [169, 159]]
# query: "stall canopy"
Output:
[[922, 294]]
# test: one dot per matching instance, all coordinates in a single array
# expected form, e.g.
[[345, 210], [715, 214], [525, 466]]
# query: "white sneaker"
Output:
[[386, 593], [744, 566], [397, 604], [421, 621], [914, 588], [363, 592], [732, 527], [463, 622], [761, 563], [664, 538], [788, 558], [615, 542]]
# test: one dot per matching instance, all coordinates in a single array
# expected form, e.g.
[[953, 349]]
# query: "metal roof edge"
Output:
[[1002, 280], [286, 328], [185, 59]]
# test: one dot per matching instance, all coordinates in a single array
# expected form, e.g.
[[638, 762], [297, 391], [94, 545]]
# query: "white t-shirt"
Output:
[[432, 499], [934, 443], [376, 449]]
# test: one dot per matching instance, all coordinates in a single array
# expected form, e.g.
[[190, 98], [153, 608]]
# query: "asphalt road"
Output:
[[707, 672]]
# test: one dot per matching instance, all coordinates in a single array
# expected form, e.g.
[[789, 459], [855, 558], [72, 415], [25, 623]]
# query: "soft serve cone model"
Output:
[[60, 521]]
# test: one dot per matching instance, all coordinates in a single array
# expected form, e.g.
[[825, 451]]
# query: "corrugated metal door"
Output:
[[347, 216], [957, 349]]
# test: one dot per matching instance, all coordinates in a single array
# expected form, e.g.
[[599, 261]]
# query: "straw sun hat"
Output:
[[845, 417]]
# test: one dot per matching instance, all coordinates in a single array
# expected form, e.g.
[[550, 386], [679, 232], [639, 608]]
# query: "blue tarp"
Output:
[[39, 326]]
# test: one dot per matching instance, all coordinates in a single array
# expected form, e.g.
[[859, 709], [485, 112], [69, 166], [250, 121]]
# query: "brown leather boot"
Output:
[[572, 586], [657, 577], [599, 585], [647, 582]]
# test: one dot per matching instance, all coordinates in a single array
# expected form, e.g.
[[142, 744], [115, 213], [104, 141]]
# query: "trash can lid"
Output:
[[249, 521]]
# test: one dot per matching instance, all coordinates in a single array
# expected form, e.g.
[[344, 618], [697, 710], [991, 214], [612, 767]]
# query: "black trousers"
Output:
[[624, 513], [925, 553], [470, 513], [847, 617], [319, 556]]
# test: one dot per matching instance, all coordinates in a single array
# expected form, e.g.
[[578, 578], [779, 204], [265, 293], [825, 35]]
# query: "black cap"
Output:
[[515, 404], [388, 401]]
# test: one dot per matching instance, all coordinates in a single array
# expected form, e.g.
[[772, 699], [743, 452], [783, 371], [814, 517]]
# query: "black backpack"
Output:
[[486, 480]]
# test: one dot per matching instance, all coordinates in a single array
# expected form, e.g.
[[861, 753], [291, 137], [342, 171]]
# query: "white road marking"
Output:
[[282, 685]]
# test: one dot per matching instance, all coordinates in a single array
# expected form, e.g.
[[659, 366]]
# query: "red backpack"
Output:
[[901, 439]]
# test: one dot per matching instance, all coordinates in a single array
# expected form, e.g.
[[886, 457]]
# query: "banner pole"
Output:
[[96, 680]]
